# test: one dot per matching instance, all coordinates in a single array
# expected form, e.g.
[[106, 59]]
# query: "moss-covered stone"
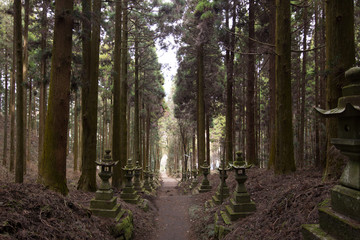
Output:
[[124, 228], [314, 232], [346, 201]]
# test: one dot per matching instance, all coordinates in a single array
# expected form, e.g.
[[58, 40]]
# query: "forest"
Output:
[[251, 132]]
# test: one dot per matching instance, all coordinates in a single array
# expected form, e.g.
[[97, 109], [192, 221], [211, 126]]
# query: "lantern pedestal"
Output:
[[240, 204], [129, 194], [205, 184], [147, 184], [341, 218], [222, 192], [105, 204]]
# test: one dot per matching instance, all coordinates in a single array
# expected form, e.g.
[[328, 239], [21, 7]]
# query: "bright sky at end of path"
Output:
[[167, 58]]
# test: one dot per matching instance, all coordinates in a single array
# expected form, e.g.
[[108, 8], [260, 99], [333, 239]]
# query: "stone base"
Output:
[[193, 184], [147, 187], [346, 201], [129, 195], [205, 187], [109, 213], [124, 227], [225, 195], [314, 232], [337, 225], [332, 225], [103, 204], [240, 206], [222, 225]]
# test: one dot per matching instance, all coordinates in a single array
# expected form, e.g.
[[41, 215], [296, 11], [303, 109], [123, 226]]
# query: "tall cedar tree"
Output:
[[340, 56], [250, 91], [116, 180], [53, 163], [19, 173], [25, 69], [230, 42], [124, 87], [200, 104], [272, 23], [91, 42], [5, 109], [43, 66], [136, 101], [284, 157], [12, 106]]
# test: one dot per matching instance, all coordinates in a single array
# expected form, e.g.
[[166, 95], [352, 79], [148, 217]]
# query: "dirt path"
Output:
[[173, 220]]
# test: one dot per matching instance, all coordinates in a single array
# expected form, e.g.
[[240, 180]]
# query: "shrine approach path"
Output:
[[173, 220]]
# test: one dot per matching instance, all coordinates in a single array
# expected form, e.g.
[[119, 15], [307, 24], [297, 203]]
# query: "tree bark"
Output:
[[43, 67], [284, 160], [53, 162], [6, 110], [116, 179], [76, 134], [301, 159], [25, 65], [87, 181], [19, 168], [272, 23], [250, 91], [201, 105], [124, 89]]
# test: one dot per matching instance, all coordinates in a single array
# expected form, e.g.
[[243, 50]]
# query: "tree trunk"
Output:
[[272, 23], [124, 89], [76, 134], [19, 168], [25, 65], [116, 179], [87, 181], [42, 100], [301, 159], [5, 110], [284, 160], [229, 85], [53, 162], [136, 107], [201, 105], [340, 56], [250, 91], [12, 107]]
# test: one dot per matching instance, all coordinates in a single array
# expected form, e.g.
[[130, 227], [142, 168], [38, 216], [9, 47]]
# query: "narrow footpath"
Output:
[[173, 219]]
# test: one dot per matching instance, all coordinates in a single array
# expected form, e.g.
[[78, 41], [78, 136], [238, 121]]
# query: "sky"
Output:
[[167, 58]]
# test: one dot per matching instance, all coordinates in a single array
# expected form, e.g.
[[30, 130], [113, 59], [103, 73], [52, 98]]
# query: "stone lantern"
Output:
[[147, 184], [341, 220], [205, 184], [129, 194], [241, 205], [105, 204], [223, 190]]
